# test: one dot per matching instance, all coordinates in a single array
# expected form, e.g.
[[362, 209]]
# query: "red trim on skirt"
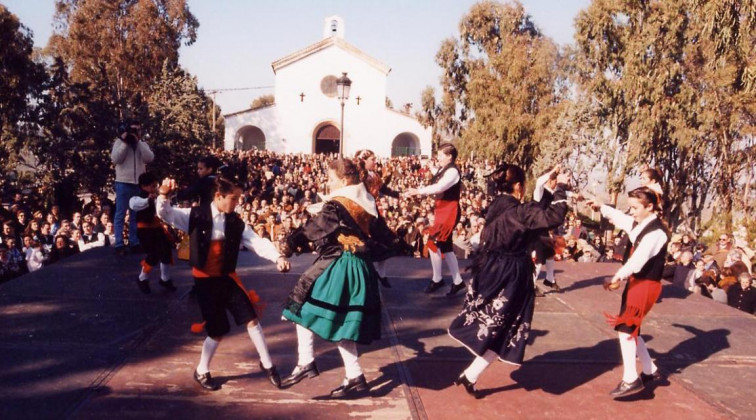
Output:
[[445, 215], [640, 298]]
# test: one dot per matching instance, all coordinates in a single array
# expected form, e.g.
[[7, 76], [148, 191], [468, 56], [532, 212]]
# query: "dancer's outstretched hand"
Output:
[[594, 203], [282, 264], [168, 186], [612, 284]]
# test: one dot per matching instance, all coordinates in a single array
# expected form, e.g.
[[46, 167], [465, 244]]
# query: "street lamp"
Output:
[[343, 84]]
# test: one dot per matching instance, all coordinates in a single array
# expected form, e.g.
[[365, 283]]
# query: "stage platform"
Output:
[[78, 340]]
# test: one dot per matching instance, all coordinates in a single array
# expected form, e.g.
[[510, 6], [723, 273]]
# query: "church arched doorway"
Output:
[[250, 137], [327, 139], [405, 144]]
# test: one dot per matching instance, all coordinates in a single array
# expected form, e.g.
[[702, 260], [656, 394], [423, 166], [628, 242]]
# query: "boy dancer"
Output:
[[216, 232], [151, 234]]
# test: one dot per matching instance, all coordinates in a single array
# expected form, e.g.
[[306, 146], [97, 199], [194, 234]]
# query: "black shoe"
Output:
[[144, 286], [168, 284], [455, 288], [469, 386], [352, 386], [384, 282], [273, 376], [206, 381], [627, 388], [551, 284], [656, 376], [433, 286], [310, 370]]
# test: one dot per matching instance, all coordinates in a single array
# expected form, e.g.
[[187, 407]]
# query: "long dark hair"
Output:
[[504, 178], [359, 160]]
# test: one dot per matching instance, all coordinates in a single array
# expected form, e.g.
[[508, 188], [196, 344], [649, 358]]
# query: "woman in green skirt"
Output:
[[337, 297]]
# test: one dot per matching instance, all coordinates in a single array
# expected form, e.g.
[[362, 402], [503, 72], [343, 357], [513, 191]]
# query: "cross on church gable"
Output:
[[301, 97], [358, 100]]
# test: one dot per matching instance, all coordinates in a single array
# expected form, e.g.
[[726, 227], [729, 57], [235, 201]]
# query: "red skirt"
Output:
[[446, 216], [639, 297]]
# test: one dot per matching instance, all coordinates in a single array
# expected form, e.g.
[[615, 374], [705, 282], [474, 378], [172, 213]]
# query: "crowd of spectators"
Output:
[[278, 188]]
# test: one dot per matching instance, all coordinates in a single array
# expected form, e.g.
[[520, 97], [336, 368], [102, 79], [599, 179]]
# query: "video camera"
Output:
[[132, 133]]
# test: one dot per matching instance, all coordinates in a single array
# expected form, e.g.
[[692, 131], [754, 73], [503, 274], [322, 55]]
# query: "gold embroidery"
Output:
[[359, 214], [351, 243]]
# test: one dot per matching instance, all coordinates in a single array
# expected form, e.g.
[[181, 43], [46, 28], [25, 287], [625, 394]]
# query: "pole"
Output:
[[341, 134], [213, 120]]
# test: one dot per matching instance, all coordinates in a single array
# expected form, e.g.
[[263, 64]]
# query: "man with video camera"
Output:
[[129, 155]]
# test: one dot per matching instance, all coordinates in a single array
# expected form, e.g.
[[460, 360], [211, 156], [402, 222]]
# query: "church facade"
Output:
[[306, 115]]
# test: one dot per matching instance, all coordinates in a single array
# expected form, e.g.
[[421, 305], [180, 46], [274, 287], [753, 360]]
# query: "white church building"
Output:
[[306, 115]]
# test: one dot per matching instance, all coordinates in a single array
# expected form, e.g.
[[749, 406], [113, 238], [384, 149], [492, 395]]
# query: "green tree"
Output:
[[180, 123], [121, 45], [501, 84], [21, 83]]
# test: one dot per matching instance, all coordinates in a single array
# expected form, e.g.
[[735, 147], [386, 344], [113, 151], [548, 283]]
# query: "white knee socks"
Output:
[[208, 350], [451, 262], [258, 339], [348, 351], [165, 272], [305, 346], [435, 258], [648, 365], [550, 270], [628, 348], [472, 373]]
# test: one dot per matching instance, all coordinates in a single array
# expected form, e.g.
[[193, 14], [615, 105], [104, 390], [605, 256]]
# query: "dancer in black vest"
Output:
[[216, 234], [643, 272], [151, 235], [446, 185]]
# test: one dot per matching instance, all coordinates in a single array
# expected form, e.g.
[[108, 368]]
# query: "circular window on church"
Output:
[[328, 86]]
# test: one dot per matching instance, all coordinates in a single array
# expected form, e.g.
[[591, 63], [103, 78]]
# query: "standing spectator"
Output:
[[742, 295], [130, 155]]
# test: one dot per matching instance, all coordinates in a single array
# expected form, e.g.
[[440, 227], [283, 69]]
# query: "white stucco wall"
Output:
[[290, 125]]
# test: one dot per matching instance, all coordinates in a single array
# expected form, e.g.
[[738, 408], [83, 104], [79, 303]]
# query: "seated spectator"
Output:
[[89, 238], [62, 249], [585, 252], [608, 256], [687, 243], [9, 268], [678, 272], [35, 257], [715, 292], [727, 278], [742, 295]]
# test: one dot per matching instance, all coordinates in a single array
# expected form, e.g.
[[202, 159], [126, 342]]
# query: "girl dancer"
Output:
[[337, 298], [643, 271], [498, 308]]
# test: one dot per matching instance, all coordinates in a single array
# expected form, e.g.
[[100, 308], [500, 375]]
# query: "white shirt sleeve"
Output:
[[137, 203], [649, 246], [262, 247], [618, 218], [447, 181], [540, 186], [178, 218]]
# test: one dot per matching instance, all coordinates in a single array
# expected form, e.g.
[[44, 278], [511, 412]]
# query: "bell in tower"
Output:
[[333, 27]]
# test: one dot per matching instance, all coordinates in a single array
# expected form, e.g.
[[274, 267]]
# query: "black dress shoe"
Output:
[[551, 284], [168, 284], [384, 282], [206, 381], [656, 376], [351, 387], [273, 376], [627, 388], [309, 370], [144, 286], [469, 386], [433, 286], [455, 288]]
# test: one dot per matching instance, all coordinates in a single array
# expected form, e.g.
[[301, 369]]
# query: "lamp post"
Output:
[[343, 84]]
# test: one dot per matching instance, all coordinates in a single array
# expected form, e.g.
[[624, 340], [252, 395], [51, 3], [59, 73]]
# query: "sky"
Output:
[[239, 39]]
